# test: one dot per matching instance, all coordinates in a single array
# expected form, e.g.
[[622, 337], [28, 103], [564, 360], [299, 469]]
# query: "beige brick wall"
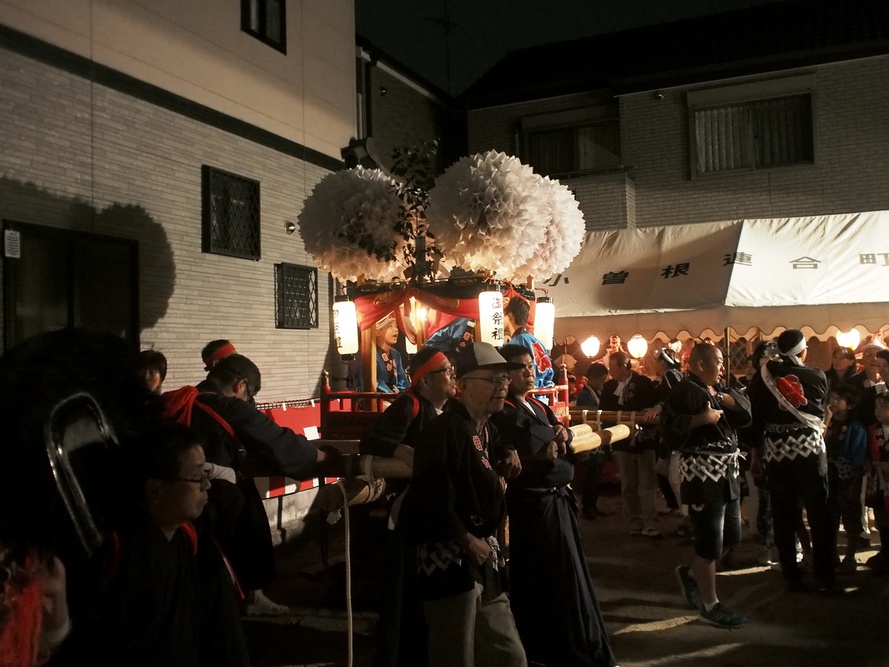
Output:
[[607, 199], [79, 156], [850, 174]]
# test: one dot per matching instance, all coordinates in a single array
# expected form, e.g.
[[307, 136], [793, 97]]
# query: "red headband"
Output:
[[434, 360], [225, 351]]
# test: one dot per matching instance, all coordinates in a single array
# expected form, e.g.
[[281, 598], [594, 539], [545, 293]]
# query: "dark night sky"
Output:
[[481, 32]]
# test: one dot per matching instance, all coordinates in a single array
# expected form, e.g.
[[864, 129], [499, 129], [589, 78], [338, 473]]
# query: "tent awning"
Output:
[[822, 274]]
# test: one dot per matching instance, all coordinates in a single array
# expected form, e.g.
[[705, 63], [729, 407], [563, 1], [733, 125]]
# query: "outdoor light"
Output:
[[345, 326], [849, 339], [489, 327], [544, 321], [591, 346], [637, 346]]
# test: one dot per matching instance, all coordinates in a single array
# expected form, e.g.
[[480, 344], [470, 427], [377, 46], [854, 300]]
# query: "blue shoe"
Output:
[[688, 586], [722, 617]]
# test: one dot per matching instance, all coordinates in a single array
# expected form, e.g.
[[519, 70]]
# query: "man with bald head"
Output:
[[700, 419]]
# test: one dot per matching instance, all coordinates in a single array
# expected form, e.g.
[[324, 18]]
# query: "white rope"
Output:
[[348, 574]]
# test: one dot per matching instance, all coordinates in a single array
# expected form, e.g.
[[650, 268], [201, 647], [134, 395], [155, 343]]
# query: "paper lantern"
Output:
[[591, 346], [489, 328], [637, 346], [544, 321], [345, 326], [849, 339]]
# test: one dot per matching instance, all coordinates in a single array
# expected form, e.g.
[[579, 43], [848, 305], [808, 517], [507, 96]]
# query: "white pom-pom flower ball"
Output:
[[348, 206]]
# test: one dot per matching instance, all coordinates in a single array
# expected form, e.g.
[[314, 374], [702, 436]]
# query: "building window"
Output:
[[569, 150], [752, 127], [264, 19], [296, 296], [571, 142], [230, 214]]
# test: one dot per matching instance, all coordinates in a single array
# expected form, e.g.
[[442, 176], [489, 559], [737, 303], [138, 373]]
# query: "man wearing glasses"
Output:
[[239, 436], [452, 512]]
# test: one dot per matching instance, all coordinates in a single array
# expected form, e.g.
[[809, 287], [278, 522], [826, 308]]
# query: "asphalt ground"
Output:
[[646, 617]]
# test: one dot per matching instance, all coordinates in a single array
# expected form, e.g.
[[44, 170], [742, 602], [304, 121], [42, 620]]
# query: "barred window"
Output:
[[265, 20], [296, 296], [230, 214], [759, 134]]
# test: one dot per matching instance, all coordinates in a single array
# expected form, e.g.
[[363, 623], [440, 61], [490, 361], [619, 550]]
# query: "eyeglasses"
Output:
[[450, 370], [494, 380], [202, 480]]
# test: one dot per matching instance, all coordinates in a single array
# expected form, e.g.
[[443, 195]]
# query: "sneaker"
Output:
[[653, 533], [688, 586], [722, 617], [764, 555], [262, 606]]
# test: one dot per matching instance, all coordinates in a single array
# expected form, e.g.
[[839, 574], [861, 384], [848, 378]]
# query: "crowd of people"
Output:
[[149, 541]]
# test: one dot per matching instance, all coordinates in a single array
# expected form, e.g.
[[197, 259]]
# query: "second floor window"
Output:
[[567, 150], [265, 20], [573, 141], [761, 125]]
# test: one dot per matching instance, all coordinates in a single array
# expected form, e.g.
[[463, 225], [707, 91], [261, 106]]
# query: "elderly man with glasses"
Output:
[[452, 512]]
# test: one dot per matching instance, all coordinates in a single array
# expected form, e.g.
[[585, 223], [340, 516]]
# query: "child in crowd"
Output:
[[878, 480], [846, 443], [151, 367]]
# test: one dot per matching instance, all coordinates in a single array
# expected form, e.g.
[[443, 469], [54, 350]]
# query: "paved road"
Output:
[[647, 619]]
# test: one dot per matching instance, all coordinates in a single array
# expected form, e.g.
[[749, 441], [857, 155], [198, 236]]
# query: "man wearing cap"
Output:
[[390, 369], [788, 419], [453, 510], [402, 635]]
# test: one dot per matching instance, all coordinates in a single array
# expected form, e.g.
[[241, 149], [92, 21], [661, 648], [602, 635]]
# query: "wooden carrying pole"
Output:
[[586, 439]]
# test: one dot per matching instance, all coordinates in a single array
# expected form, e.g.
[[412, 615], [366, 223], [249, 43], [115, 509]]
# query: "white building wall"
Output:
[[82, 156], [196, 49]]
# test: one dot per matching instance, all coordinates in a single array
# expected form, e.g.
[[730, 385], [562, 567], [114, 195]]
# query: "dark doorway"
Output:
[[63, 279]]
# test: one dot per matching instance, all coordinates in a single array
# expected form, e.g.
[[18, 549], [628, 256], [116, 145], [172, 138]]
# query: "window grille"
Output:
[[265, 20], [296, 296], [230, 214], [754, 135]]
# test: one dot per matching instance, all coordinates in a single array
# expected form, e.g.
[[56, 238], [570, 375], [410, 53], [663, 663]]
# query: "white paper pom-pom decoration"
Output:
[[485, 213], [356, 203], [563, 236]]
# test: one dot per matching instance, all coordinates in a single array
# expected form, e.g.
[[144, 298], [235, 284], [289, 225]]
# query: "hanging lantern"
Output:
[[849, 339], [544, 321], [489, 328], [637, 346], [345, 326], [591, 346]]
